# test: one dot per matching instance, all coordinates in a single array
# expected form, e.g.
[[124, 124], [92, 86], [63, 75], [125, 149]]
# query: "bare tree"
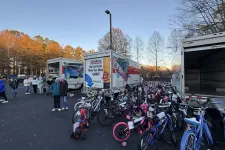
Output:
[[128, 50], [155, 49], [174, 41], [200, 16], [138, 49], [120, 42]]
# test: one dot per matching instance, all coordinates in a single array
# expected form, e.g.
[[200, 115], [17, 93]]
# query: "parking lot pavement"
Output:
[[27, 123]]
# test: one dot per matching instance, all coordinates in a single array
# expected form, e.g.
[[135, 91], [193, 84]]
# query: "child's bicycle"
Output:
[[141, 124], [156, 132], [197, 132], [80, 127]]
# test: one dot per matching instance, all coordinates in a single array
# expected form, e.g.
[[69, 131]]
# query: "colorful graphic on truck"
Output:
[[120, 67], [72, 70], [88, 80], [106, 74], [94, 72]]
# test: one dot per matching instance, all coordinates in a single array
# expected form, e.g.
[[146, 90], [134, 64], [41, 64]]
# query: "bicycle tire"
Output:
[[185, 138], [172, 134], [180, 121], [100, 120], [145, 135], [114, 130]]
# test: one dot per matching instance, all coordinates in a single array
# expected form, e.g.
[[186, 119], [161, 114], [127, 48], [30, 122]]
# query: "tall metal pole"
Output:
[[110, 16]]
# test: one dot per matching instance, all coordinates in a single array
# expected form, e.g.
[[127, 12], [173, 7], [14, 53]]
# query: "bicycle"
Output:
[[154, 134], [141, 123], [196, 129]]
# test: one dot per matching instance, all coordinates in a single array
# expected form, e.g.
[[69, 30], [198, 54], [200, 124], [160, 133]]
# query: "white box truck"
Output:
[[110, 70], [199, 67], [72, 70]]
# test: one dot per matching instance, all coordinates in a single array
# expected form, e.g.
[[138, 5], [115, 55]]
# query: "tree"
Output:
[[120, 41], [53, 50], [127, 52], [155, 48], [7, 44], [138, 48], [79, 53], [199, 17], [22, 54], [68, 52], [174, 40]]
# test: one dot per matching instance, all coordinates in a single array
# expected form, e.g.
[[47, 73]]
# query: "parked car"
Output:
[[21, 77]]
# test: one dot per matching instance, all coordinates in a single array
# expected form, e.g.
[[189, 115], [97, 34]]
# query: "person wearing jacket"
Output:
[[26, 83], [40, 85], [63, 92], [14, 85], [55, 88], [2, 92], [30, 80], [34, 84]]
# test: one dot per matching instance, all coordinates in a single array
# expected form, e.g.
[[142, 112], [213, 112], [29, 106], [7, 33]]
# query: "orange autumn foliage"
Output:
[[30, 55]]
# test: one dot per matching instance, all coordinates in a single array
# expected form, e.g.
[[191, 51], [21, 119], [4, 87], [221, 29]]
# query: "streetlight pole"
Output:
[[110, 19]]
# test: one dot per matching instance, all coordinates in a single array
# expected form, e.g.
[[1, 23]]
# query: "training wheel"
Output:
[[124, 143]]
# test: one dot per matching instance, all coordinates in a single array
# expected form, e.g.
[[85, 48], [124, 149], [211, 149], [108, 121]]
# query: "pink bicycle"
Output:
[[122, 130]]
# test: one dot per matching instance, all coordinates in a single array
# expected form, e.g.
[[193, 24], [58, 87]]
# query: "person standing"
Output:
[[55, 88], [40, 85], [2, 92], [30, 80], [34, 84], [63, 92], [14, 85], [26, 84]]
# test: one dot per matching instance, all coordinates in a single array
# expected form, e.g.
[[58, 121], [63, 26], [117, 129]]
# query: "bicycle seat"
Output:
[[192, 121]]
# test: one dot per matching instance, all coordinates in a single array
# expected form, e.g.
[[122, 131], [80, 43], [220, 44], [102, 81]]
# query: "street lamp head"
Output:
[[107, 12]]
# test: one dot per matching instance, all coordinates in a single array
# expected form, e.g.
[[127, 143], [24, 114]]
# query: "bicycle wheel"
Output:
[[180, 121], [172, 134], [188, 140], [123, 131], [145, 139], [105, 117]]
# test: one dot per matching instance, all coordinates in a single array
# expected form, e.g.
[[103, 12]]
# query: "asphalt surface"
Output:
[[27, 123]]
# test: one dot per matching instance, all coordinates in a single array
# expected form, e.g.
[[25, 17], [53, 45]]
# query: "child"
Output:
[[82, 120]]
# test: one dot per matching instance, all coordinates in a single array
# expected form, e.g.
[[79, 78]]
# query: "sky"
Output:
[[84, 22]]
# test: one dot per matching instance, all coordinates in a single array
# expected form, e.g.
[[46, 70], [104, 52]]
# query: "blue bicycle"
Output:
[[197, 132], [150, 137]]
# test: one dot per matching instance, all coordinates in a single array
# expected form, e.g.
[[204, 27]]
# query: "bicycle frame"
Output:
[[198, 131], [163, 122], [96, 106]]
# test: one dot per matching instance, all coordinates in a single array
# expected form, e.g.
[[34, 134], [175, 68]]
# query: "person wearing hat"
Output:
[[55, 89], [63, 92]]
